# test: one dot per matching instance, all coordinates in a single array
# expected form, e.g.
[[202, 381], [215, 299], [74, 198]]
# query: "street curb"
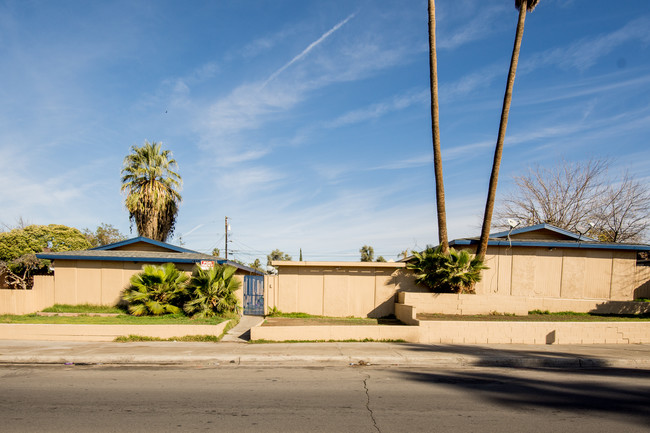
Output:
[[579, 363]]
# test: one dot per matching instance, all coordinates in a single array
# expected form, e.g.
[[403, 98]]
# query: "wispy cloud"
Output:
[[380, 109], [480, 26], [584, 53], [308, 49]]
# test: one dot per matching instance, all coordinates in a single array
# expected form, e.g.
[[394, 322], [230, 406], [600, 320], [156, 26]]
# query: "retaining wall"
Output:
[[54, 332]]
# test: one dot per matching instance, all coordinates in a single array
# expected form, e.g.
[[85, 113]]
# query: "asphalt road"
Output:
[[321, 399]]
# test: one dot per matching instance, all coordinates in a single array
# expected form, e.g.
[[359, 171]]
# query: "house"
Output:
[[547, 261], [538, 267], [99, 275]]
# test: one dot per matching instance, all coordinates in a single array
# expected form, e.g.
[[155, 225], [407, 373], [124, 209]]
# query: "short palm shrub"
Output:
[[212, 292], [456, 272], [157, 290]]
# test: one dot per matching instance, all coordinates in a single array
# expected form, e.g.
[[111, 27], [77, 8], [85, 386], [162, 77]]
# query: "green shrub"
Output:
[[456, 272], [157, 290], [212, 292]]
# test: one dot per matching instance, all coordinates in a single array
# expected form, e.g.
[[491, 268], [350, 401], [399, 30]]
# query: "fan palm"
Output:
[[157, 290], [152, 187], [454, 272], [522, 6], [212, 292], [435, 129]]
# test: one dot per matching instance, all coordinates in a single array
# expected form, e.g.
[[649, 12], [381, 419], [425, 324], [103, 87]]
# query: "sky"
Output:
[[306, 122]]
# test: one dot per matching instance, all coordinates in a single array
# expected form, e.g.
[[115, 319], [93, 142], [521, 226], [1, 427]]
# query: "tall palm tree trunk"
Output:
[[437, 159], [505, 111]]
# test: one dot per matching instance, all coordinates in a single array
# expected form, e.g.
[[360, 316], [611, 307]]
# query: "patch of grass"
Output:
[[365, 340], [122, 319], [191, 338], [83, 308], [544, 316], [642, 300]]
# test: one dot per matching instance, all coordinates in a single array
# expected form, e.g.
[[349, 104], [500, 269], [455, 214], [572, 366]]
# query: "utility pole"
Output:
[[226, 238]]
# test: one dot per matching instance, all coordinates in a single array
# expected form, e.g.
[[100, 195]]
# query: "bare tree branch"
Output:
[[571, 194]]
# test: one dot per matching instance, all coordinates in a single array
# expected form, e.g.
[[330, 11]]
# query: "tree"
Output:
[[624, 212], [455, 272], [367, 253], [18, 247], [277, 255], [300, 259], [381, 259], [522, 6], [257, 264], [435, 130], [36, 238], [212, 292], [216, 252], [152, 190], [157, 290], [573, 194], [104, 234]]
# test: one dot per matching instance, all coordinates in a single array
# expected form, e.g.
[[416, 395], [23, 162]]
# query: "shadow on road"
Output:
[[630, 399], [532, 358]]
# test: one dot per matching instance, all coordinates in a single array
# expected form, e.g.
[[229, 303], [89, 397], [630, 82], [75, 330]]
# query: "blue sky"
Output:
[[308, 122]]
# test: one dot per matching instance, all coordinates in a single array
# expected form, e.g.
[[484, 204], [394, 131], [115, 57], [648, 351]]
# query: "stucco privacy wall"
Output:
[[101, 282], [562, 273], [28, 301], [338, 289], [449, 303]]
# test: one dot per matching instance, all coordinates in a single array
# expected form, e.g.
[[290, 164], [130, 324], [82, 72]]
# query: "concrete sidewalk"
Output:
[[325, 354]]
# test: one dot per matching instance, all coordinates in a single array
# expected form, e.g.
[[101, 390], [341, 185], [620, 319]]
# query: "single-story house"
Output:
[[547, 261], [537, 267], [99, 275]]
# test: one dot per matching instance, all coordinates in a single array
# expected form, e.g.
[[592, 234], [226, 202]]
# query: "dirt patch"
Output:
[[317, 321]]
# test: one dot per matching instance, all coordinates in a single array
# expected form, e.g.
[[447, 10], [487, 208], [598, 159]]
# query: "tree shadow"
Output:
[[551, 391], [549, 358]]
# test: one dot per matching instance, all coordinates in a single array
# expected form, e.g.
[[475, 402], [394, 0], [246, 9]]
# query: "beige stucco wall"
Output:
[[60, 332], [102, 282], [338, 289], [561, 273], [464, 304], [28, 301], [95, 282]]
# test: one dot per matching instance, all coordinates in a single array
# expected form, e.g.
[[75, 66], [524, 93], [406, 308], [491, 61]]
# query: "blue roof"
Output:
[[554, 244], [574, 240], [146, 240], [543, 226]]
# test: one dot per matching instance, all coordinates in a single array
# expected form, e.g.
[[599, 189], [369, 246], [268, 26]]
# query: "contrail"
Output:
[[197, 227], [309, 48]]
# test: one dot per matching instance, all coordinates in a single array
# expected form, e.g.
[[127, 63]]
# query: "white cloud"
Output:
[[380, 109]]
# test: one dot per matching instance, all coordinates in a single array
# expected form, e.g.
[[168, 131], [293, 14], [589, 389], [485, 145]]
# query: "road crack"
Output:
[[372, 415]]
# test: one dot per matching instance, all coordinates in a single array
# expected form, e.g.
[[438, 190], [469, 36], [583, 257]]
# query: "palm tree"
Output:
[[212, 292], [152, 190], [453, 272], [157, 290], [522, 6], [435, 128]]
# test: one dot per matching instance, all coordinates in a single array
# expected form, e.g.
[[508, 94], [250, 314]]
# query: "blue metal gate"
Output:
[[254, 295]]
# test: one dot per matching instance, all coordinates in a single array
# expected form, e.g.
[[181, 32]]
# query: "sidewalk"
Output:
[[325, 354]]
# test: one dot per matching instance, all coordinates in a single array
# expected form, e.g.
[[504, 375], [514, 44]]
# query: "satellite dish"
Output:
[[513, 223], [584, 228]]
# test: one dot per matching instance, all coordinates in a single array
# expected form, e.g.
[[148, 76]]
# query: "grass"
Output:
[[84, 308], [540, 316], [122, 319], [193, 338], [365, 340]]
